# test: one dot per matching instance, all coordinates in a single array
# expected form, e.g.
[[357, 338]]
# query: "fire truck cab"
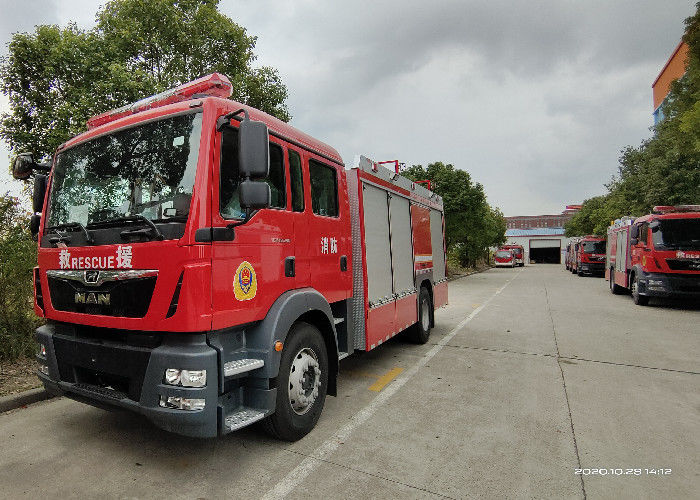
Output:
[[657, 255], [207, 265], [590, 256], [518, 253]]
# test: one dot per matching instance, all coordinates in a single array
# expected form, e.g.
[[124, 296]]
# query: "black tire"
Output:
[[580, 273], [640, 300], [418, 333], [288, 423], [615, 289]]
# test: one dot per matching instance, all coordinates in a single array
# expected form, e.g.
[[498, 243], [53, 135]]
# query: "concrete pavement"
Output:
[[530, 374]]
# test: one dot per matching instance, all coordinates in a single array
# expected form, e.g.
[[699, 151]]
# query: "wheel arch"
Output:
[[428, 285], [304, 304]]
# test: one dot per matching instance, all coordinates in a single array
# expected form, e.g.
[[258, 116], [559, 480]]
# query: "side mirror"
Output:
[[634, 231], [34, 222], [23, 166], [254, 195], [253, 150], [39, 193]]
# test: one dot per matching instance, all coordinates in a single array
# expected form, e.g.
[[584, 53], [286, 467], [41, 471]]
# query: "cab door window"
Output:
[[229, 202], [643, 230], [297, 181], [324, 189]]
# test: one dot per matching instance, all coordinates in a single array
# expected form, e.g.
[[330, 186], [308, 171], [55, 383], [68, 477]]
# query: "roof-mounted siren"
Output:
[[668, 209], [214, 85]]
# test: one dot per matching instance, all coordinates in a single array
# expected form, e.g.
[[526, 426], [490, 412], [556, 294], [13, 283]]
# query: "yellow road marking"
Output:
[[385, 379], [475, 305]]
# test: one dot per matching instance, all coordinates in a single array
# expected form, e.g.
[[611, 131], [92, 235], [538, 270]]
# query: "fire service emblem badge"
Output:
[[245, 283]]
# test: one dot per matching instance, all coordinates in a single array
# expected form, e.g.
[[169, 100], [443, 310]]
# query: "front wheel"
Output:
[[640, 300], [420, 332], [301, 384]]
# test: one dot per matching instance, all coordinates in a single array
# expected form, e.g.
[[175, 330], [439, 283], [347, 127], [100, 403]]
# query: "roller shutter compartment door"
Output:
[[377, 248], [401, 245], [436, 241]]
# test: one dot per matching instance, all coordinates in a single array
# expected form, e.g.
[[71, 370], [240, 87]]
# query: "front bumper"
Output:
[[591, 267], [503, 264], [669, 285], [114, 373]]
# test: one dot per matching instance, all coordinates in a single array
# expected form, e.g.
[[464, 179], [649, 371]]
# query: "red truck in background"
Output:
[[504, 258], [589, 257], [657, 255], [518, 253], [207, 265], [570, 255]]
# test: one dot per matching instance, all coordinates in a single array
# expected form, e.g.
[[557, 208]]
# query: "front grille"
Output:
[[105, 368], [684, 264], [128, 298]]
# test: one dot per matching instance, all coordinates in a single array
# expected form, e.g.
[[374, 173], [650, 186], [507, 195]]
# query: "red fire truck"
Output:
[[657, 255], [589, 257], [570, 255], [504, 258], [518, 253], [207, 265]]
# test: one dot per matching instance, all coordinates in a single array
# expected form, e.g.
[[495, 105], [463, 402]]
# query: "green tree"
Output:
[[56, 78], [471, 224], [17, 259], [663, 170]]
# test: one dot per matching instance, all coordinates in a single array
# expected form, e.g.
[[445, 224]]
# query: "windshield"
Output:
[[145, 170], [501, 254], [677, 234], [593, 247]]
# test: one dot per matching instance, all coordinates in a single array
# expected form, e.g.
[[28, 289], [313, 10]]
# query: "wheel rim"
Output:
[[425, 315], [634, 287], [304, 381]]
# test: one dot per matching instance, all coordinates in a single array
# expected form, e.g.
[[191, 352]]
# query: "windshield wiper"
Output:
[[152, 229], [69, 225], [174, 218]]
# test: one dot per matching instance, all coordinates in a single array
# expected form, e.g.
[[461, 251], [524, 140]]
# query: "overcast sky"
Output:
[[535, 99]]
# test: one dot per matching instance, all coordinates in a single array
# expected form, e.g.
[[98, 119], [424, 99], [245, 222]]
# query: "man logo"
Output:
[[91, 277], [92, 298]]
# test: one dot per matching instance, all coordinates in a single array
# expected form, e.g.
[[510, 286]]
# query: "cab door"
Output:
[[328, 223], [248, 261], [300, 208]]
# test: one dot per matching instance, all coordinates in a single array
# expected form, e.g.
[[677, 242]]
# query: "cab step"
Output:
[[241, 366], [242, 417]]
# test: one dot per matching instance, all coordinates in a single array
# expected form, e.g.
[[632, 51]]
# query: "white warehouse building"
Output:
[[541, 244]]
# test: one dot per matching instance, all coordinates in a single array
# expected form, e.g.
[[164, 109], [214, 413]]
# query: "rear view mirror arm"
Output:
[[225, 120]]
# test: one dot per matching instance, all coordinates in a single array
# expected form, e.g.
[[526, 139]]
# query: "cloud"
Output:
[[535, 99]]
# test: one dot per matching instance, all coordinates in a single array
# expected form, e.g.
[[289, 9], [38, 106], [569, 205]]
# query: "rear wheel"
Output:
[[301, 384], [420, 332], [640, 300]]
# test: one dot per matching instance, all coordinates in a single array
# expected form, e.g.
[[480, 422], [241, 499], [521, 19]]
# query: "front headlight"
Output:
[[172, 376], [186, 378], [193, 378]]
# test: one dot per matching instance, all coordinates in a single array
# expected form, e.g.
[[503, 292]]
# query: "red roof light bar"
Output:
[[215, 85]]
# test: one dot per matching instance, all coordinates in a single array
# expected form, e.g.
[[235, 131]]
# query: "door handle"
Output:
[[289, 270]]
